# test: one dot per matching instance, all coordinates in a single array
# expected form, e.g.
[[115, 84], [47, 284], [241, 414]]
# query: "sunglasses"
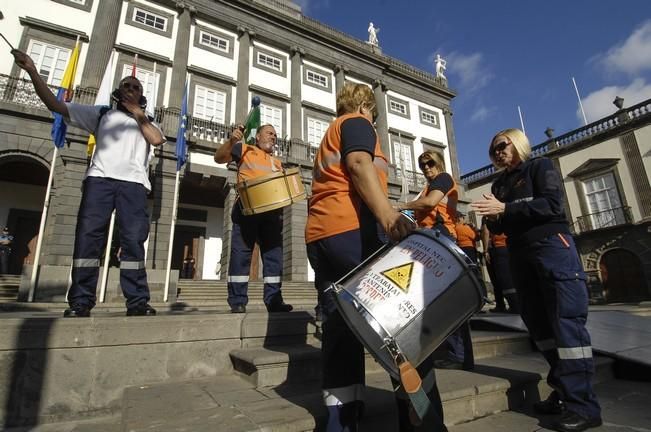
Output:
[[499, 147], [128, 85], [430, 163]]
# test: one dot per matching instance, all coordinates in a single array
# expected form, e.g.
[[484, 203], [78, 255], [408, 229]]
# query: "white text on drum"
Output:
[[424, 254]]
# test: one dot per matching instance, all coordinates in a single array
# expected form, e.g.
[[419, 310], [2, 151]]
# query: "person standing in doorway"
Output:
[[6, 240]]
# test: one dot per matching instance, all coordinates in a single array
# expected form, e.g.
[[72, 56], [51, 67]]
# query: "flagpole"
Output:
[[41, 229], [171, 242], [107, 259], [175, 203], [576, 89], [521, 121], [70, 69]]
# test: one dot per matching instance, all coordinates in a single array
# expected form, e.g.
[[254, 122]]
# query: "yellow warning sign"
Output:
[[400, 275]]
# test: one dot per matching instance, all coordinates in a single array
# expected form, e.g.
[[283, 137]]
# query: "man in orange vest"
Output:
[[496, 256], [265, 228], [466, 237]]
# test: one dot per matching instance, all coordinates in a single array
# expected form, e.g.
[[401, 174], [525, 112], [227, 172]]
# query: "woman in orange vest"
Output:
[[348, 212], [436, 208]]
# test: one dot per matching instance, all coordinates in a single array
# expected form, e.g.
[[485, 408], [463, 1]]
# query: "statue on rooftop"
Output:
[[440, 65], [372, 34]]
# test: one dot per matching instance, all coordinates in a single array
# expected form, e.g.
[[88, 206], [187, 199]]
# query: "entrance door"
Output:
[[23, 225], [622, 277], [188, 241]]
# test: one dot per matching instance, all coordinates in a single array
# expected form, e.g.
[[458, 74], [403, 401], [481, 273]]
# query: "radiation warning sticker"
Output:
[[400, 275]]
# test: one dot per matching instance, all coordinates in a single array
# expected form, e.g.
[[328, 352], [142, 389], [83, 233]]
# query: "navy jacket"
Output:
[[534, 203]]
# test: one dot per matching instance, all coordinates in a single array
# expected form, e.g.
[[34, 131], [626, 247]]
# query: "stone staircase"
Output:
[[224, 372], [9, 287], [302, 295]]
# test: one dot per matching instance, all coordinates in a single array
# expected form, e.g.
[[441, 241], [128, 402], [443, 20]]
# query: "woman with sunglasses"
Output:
[[436, 208], [526, 204]]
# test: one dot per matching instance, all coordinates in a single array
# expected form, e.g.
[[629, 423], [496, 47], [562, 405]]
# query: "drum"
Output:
[[271, 191], [406, 299]]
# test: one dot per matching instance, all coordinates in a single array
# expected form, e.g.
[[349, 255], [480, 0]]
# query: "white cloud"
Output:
[[470, 69], [481, 113], [307, 6], [599, 104], [633, 55]]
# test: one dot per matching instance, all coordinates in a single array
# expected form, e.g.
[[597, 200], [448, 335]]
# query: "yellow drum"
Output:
[[271, 191]]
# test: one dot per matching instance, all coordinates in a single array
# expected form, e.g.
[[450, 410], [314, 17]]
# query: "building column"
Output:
[[243, 65], [294, 253], [296, 99], [379, 89], [640, 177], [227, 229], [181, 52], [452, 145], [163, 183], [340, 77], [102, 41]]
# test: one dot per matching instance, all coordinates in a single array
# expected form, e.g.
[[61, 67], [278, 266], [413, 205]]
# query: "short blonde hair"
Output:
[[519, 141], [433, 156], [353, 96]]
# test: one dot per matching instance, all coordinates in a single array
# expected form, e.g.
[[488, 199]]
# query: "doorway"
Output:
[[622, 277], [23, 225], [187, 253]]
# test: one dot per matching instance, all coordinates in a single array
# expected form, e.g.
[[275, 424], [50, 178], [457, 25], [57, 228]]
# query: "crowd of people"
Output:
[[532, 260]]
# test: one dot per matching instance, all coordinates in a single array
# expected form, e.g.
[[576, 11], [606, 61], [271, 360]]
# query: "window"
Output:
[[209, 104], [603, 200], [429, 118], [149, 83], [402, 155], [50, 61], [398, 107], [270, 61], [273, 116], [315, 131], [213, 41], [149, 19], [317, 78]]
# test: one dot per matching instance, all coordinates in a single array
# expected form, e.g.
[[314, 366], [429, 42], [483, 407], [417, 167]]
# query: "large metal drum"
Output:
[[271, 191], [406, 299]]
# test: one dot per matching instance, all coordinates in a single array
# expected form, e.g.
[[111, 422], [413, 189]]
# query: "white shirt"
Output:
[[121, 151]]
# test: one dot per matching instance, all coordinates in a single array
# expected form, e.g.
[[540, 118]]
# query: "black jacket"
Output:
[[533, 196]]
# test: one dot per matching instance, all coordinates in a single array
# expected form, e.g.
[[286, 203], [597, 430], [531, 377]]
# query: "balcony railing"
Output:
[[603, 219], [21, 92], [592, 130]]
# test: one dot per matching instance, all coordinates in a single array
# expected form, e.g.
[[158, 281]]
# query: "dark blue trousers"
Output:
[[499, 270], [554, 300], [99, 198], [267, 229]]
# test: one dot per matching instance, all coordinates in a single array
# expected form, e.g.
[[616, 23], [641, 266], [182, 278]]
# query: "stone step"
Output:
[[232, 404], [265, 366]]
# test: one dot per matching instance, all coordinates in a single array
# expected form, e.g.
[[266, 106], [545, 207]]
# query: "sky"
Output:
[[502, 54]]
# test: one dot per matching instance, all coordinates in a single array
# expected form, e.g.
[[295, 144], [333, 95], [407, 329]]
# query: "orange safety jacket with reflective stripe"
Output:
[[498, 240], [445, 211], [466, 236], [334, 207], [255, 163]]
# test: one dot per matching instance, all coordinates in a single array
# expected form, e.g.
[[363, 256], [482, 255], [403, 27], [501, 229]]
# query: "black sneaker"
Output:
[[279, 307], [141, 310], [549, 406], [240, 308], [77, 311], [573, 422]]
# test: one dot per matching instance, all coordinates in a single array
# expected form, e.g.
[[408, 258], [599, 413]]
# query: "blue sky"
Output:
[[502, 54]]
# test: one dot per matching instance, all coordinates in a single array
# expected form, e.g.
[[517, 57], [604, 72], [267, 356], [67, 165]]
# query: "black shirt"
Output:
[[533, 196]]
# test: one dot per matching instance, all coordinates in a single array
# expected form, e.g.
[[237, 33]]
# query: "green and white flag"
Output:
[[252, 125]]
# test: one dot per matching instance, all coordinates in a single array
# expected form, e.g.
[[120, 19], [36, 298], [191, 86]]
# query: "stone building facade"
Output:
[[231, 50]]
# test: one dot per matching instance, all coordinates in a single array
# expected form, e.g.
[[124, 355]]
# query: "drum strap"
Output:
[[413, 386]]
